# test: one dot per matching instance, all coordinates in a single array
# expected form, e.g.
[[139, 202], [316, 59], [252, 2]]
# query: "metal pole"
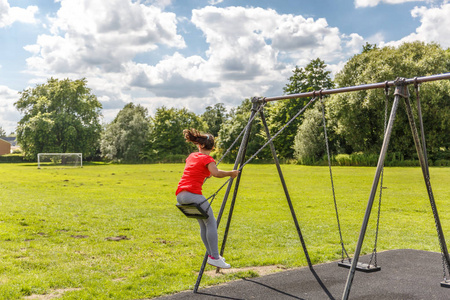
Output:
[[360, 87], [400, 91], [288, 198], [239, 161], [426, 177], [241, 153], [422, 130]]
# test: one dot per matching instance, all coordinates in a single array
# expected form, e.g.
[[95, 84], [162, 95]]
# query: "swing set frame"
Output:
[[401, 91]]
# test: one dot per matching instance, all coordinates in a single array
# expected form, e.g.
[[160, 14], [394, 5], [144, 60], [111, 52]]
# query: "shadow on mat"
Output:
[[319, 281], [218, 296], [274, 289], [322, 285]]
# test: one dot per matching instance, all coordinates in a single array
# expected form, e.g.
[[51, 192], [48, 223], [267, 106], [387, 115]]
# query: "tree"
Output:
[[230, 130], [359, 117], [313, 77], [125, 137], [367, 47], [166, 138], [309, 142], [214, 117], [2, 131], [59, 116]]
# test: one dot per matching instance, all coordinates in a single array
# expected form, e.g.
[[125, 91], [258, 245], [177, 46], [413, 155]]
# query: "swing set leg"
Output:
[[286, 192], [239, 159], [387, 136], [421, 153]]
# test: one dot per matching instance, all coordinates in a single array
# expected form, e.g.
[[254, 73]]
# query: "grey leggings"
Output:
[[208, 227]]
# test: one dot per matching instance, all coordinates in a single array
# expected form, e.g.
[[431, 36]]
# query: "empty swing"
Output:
[[346, 261]]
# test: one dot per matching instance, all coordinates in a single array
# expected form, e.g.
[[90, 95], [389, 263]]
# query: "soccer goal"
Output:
[[61, 160]]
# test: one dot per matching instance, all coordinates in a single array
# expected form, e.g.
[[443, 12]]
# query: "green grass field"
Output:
[[57, 226]]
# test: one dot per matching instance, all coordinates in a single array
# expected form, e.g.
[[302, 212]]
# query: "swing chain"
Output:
[[433, 207], [443, 267], [343, 250], [213, 196], [374, 251], [261, 107], [243, 130], [229, 149], [279, 131], [444, 261]]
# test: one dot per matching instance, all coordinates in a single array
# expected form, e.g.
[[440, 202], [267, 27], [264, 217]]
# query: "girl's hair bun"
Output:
[[205, 140]]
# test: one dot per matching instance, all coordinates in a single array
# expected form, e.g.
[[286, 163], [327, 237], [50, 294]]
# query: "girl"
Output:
[[200, 165]]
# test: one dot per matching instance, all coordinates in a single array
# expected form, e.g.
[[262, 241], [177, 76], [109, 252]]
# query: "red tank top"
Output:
[[195, 172]]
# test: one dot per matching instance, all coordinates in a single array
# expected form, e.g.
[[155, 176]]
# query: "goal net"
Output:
[[61, 160]]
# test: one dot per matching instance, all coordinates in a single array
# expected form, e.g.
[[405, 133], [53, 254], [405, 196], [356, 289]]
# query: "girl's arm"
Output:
[[220, 173]]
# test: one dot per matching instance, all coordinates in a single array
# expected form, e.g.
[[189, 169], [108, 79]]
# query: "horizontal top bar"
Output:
[[43, 153], [361, 87]]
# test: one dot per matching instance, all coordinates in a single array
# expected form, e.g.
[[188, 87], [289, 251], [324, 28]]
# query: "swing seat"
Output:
[[445, 284], [192, 210], [366, 268]]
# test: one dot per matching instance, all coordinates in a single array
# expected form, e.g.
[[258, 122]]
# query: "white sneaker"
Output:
[[220, 263]]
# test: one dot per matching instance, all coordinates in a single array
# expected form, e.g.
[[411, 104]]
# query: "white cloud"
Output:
[[335, 68], [173, 77], [251, 52], [98, 40], [378, 39], [435, 25], [354, 43], [10, 15], [102, 35], [242, 47], [159, 3], [8, 114], [8, 96], [35, 49], [214, 2], [372, 3]]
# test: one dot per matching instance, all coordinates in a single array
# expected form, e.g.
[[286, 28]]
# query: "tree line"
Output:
[[64, 116]]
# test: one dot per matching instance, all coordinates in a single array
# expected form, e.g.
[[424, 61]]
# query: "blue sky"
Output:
[[194, 53]]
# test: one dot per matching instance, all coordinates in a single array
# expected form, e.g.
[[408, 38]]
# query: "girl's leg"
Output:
[[211, 232], [203, 235], [208, 227]]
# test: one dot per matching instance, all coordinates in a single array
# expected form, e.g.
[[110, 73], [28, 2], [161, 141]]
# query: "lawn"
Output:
[[112, 231]]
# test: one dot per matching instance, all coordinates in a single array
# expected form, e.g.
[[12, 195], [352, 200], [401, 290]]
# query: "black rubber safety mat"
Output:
[[405, 274]]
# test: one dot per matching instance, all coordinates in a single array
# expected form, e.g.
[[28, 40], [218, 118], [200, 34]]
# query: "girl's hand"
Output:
[[234, 173], [219, 173]]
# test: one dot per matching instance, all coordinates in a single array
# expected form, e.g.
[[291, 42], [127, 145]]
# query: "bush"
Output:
[[172, 158], [356, 159], [11, 158], [370, 160], [442, 163]]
